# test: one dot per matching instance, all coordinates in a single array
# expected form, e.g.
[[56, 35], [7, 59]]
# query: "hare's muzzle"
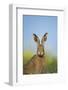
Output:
[[40, 50], [40, 54]]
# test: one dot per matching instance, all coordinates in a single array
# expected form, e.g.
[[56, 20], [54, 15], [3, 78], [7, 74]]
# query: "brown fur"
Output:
[[37, 62]]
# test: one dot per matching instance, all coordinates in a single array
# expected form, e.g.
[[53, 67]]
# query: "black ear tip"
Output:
[[45, 34], [34, 35]]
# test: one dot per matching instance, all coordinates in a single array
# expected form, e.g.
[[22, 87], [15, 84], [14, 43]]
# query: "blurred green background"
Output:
[[50, 65]]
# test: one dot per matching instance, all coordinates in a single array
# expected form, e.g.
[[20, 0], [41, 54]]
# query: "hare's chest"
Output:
[[39, 63]]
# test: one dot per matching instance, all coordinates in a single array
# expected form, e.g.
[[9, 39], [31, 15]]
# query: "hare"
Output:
[[36, 64]]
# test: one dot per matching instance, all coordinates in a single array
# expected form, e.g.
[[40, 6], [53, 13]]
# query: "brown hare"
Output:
[[37, 62]]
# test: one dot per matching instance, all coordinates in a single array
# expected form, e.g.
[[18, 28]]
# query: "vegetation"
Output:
[[50, 65]]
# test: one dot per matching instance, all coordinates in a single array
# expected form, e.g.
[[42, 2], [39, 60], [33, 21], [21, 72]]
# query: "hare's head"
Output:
[[40, 44]]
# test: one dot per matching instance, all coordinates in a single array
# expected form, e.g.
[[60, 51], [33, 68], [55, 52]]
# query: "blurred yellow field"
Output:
[[51, 62]]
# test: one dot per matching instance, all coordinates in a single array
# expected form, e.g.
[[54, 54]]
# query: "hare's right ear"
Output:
[[44, 38], [36, 39]]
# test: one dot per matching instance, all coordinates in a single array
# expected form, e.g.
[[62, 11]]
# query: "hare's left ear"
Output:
[[44, 38], [36, 38]]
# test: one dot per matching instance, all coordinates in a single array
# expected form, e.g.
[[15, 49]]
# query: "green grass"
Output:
[[51, 62], [27, 56]]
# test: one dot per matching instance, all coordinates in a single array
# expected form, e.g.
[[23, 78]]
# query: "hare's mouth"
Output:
[[40, 55]]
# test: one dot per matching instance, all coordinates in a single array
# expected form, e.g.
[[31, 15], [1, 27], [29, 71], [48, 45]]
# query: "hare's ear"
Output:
[[44, 38], [36, 39]]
